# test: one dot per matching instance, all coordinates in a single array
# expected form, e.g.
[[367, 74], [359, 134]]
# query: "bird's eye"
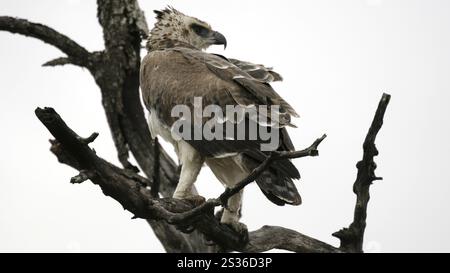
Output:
[[200, 30]]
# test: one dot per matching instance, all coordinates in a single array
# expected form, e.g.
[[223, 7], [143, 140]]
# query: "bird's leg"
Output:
[[192, 163], [232, 213], [189, 173]]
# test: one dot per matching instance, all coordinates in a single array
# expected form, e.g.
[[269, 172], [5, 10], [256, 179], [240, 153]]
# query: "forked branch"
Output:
[[131, 190]]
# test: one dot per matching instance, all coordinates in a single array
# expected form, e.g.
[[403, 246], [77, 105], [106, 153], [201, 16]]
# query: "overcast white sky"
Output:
[[337, 58]]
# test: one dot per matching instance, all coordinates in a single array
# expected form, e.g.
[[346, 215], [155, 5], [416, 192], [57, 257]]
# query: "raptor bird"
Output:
[[175, 71]]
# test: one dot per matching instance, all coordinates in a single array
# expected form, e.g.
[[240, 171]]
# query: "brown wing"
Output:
[[258, 71], [258, 91]]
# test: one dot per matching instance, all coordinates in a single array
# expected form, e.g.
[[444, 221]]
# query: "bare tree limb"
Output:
[[76, 53], [131, 190], [352, 237], [127, 187], [270, 237]]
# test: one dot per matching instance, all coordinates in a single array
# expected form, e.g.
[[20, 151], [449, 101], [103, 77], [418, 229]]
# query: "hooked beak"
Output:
[[219, 39]]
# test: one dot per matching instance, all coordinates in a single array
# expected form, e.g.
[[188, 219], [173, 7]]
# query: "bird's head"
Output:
[[174, 28]]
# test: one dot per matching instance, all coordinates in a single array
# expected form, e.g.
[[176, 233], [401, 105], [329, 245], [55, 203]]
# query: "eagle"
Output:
[[177, 70]]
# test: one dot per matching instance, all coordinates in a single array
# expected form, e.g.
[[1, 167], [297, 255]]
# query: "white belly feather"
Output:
[[227, 167], [157, 128]]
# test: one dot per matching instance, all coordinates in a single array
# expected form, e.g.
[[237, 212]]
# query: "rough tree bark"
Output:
[[180, 226]]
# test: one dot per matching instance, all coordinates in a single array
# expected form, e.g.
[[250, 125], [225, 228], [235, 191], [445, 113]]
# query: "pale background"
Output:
[[337, 57]]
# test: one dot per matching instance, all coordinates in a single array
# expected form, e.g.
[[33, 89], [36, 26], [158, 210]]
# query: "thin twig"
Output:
[[230, 192], [59, 61], [275, 156], [82, 177], [156, 176], [90, 138]]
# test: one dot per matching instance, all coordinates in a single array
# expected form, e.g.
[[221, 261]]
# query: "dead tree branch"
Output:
[[352, 237], [77, 54], [270, 237], [131, 190]]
